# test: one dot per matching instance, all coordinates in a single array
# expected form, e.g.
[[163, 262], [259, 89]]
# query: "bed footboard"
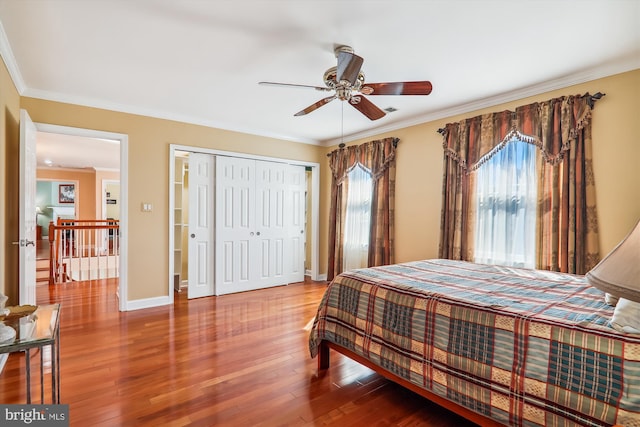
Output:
[[323, 363]]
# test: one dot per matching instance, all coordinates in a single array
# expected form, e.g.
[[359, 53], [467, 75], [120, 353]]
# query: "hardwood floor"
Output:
[[234, 360]]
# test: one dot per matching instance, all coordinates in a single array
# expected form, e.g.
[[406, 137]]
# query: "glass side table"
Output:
[[36, 331]]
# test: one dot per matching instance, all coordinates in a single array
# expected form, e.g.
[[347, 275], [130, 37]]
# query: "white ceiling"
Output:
[[56, 150], [200, 61]]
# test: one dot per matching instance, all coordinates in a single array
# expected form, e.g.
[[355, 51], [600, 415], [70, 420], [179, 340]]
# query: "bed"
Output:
[[498, 345]]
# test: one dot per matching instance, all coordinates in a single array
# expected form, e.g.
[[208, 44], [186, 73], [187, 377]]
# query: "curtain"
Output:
[[566, 230], [377, 157], [506, 201], [357, 218]]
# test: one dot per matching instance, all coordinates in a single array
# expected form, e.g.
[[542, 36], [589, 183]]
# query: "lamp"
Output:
[[619, 272]]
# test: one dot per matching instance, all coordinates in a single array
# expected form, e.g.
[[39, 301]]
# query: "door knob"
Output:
[[193, 236], [258, 233], [24, 243]]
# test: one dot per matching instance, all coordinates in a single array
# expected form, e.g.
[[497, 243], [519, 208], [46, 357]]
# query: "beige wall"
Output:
[[9, 142], [616, 150], [149, 140], [85, 191]]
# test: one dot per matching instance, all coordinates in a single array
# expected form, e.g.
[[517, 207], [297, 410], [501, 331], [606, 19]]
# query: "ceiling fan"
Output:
[[347, 81]]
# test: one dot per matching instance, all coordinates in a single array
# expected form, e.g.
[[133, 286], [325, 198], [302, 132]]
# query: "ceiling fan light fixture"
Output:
[[329, 78], [343, 93], [366, 90], [348, 82]]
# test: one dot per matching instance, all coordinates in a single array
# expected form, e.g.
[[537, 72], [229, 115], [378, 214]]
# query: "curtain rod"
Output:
[[342, 145], [591, 101]]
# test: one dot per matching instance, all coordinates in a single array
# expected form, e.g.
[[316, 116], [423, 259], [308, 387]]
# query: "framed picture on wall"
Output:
[[66, 193]]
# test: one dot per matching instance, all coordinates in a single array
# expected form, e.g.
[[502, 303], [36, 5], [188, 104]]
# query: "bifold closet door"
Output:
[[201, 226], [296, 180], [254, 225], [235, 224], [270, 211]]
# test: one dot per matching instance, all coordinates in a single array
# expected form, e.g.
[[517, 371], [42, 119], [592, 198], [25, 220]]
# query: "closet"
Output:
[[180, 216], [259, 224], [246, 224]]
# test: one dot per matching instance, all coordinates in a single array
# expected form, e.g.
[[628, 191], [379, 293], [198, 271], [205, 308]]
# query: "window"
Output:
[[506, 188], [357, 218]]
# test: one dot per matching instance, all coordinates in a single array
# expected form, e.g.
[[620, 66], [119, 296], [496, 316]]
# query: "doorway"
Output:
[[176, 193], [78, 137]]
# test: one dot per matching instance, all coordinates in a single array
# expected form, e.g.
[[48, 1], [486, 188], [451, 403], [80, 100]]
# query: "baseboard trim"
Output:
[[141, 304]]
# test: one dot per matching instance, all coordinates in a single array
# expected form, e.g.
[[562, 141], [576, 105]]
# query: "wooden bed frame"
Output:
[[323, 364]]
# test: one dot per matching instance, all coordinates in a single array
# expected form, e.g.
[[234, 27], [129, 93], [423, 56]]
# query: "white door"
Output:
[[295, 216], [235, 224], [259, 224], [201, 279], [27, 235], [270, 212]]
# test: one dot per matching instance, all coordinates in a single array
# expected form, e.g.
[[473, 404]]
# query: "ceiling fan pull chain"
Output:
[[342, 125]]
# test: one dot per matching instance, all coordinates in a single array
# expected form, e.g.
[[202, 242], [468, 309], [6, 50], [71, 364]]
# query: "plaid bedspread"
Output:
[[523, 347]]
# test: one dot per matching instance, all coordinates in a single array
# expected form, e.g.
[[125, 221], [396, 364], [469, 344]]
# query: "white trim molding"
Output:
[[10, 61], [140, 304]]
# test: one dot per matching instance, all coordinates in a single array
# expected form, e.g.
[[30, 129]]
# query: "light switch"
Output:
[[146, 207]]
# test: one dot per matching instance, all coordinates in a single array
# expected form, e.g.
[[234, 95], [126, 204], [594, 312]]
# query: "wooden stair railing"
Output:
[[83, 249]]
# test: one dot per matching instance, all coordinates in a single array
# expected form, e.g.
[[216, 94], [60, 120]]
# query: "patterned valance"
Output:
[[375, 156], [551, 125]]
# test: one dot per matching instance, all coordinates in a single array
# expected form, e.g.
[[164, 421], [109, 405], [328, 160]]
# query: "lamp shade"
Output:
[[619, 272]]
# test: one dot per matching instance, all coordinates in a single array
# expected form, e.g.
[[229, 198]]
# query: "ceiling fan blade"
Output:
[[366, 107], [315, 106], [397, 88], [325, 89], [349, 65]]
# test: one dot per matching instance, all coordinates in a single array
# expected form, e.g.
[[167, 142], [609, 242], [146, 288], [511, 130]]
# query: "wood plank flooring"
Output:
[[234, 360]]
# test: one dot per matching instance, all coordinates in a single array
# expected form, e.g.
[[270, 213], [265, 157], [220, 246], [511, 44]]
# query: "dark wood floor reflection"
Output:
[[235, 360]]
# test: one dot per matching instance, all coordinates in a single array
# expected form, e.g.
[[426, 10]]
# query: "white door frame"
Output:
[[123, 302], [315, 202]]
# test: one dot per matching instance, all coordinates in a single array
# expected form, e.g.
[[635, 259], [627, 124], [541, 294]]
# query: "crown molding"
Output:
[[10, 61], [158, 114], [66, 169]]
